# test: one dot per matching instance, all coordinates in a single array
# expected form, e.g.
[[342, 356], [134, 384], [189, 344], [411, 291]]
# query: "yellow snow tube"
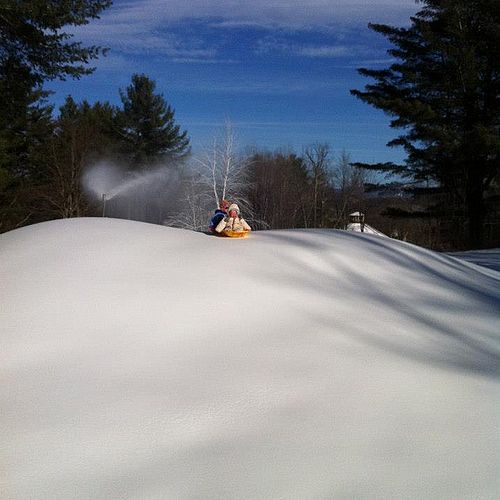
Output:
[[234, 234]]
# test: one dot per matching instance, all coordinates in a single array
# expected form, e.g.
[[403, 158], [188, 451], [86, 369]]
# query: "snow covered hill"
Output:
[[149, 363]]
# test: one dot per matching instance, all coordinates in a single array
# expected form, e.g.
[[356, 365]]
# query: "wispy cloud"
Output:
[[138, 39], [325, 51], [263, 12], [195, 60], [152, 26], [275, 45]]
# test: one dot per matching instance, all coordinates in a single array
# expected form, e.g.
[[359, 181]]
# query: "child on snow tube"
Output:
[[232, 223], [219, 214]]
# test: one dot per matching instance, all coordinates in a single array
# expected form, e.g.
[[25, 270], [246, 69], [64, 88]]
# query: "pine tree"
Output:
[[34, 45], [83, 135], [34, 48], [148, 126], [24, 130], [443, 92]]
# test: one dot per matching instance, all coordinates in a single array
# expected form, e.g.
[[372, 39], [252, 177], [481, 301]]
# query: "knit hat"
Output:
[[233, 206]]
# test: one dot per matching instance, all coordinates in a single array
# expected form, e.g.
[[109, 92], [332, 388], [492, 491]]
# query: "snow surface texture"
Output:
[[150, 363], [486, 258], [356, 227]]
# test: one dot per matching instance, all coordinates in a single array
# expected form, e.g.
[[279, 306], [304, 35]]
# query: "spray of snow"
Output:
[[141, 180], [144, 195], [110, 180], [102, 178]]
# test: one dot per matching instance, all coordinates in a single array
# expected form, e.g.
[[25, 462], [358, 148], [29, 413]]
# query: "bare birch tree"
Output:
[[224, 169], [219, 173]]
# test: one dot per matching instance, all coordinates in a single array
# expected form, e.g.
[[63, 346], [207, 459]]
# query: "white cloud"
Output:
[[286, 13], [142, 26], [274, 45], [198, 60], [135, 38], [325, 51]]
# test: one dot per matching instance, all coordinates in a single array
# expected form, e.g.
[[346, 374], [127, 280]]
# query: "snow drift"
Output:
[[143, 362]]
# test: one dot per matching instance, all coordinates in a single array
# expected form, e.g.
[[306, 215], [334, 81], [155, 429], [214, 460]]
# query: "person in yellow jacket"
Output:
[[233, 221]]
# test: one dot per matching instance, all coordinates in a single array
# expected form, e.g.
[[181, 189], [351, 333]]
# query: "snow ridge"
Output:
[[146, 362]]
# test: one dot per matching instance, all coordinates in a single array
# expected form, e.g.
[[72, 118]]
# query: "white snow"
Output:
[[363, 228], [487, 258], [149, 363]]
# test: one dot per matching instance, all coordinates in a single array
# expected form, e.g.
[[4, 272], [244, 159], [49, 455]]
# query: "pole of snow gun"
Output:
[[104, 205]]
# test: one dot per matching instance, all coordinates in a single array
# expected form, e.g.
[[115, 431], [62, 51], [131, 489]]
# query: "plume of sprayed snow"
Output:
[[101, 179], [140, 180], [110, 180], [146, 195]]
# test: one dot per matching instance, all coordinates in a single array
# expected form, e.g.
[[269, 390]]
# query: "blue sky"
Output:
[[279, 70]]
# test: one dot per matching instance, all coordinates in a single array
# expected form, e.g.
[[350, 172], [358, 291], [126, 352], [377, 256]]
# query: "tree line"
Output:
[[441, 90], [275, 189], [45, 158]]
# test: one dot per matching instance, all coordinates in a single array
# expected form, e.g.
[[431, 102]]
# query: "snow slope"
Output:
[[486, 258], [149, 363], [356, 226]]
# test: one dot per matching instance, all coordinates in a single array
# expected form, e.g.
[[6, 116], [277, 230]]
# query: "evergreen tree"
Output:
[[24, 131], [83, 135], [33, 44], [443, 92], [148, 126], [34, 48], [24, 126]]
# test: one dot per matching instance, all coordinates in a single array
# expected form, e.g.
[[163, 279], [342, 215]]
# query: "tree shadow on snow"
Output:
[[449, 313]]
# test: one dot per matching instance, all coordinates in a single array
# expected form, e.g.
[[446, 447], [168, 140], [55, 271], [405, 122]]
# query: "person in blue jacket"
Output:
[[219, 214]]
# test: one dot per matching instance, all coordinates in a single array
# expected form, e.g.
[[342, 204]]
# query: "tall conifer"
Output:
[[148, 125], [443, 92]]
